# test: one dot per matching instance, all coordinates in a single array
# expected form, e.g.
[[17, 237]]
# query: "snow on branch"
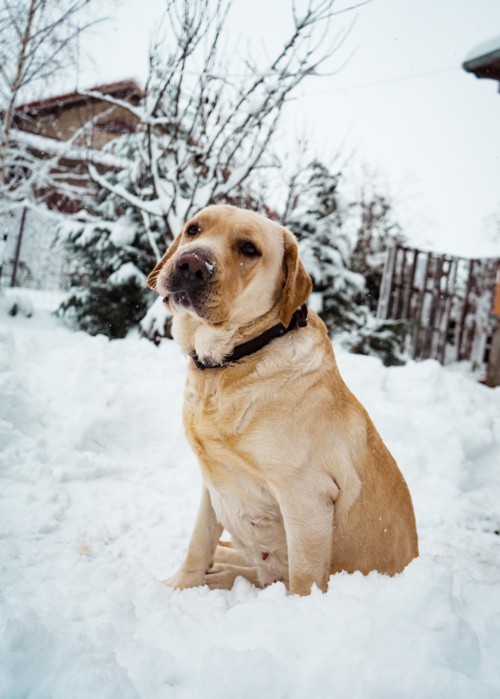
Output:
[[67, 149], [37, 41], [204, 134], [150, 207]]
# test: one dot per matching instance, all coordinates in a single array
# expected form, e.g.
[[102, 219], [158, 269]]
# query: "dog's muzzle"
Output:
[[188, 282], [192, 270]]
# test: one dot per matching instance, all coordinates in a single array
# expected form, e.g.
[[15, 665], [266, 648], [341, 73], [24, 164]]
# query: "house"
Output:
[[484, 60], [493, 374], [55, 127], [84, 118], [61, 116]]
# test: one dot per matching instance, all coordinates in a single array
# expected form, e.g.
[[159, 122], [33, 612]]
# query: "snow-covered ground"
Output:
[[98, 493]]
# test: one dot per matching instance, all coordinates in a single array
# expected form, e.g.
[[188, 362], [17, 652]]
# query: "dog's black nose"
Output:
[[192, 270]]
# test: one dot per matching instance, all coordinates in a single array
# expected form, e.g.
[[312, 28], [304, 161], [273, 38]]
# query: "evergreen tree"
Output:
[[344, 254], [317, 219], [376, 230], [384, 339], [111, 255]]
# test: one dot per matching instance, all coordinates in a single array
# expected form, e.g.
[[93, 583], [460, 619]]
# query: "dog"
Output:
[[293, 468]]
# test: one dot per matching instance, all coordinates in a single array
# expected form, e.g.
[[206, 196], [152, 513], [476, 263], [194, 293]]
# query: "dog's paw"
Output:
[[223, 576], [218, 577], [184, 580]]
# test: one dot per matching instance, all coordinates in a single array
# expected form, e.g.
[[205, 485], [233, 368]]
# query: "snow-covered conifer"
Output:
[[111, 254], [343, 246], [317, 217], [376, 230]]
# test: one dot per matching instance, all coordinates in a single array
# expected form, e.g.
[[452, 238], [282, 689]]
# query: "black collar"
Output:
[[299, 320]]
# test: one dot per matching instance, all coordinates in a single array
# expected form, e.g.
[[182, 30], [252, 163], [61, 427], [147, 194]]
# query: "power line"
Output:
[[387, 81]]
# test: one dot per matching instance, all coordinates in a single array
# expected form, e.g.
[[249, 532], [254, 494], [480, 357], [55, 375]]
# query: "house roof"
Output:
[[484, 60], [124, 89]]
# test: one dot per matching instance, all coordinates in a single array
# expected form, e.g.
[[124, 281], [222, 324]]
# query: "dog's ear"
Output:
[[298, 284], [153, 275]]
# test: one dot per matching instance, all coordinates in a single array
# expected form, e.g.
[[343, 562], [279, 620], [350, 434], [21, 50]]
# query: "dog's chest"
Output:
[[220, 426], [226, 436]]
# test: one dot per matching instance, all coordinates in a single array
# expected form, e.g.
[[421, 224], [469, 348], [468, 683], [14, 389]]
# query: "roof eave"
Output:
[[479, 63]]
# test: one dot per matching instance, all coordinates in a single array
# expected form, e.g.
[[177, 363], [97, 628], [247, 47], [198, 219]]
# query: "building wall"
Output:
[[62, 122]]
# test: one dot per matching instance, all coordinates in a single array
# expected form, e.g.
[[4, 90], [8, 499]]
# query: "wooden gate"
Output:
[[448, 301]]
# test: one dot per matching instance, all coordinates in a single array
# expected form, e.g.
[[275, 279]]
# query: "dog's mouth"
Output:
[[180, 298], [186, 293], [184, 300]]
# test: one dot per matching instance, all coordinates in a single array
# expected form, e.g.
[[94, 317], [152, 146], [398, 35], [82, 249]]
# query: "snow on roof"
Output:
[[484, 60], [484, 49], [120, 88]]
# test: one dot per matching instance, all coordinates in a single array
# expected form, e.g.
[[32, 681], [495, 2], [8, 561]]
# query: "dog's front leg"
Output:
[[309, 534], [204, 538]]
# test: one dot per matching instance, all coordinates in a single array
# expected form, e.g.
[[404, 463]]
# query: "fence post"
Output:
[[3, 253], [493, 369], [386, 286], [18, 247]]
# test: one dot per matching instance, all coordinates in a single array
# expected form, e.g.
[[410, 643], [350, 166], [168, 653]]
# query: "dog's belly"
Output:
[[252, 517]]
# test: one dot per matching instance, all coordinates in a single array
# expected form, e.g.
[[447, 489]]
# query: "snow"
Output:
[[484, 48], [67, 149], [122, 233], [13, 304], [155, 319], [99, 494], [127, 272]]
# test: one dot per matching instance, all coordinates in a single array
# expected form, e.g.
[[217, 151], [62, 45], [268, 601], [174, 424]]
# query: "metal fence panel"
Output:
[[32, 257]]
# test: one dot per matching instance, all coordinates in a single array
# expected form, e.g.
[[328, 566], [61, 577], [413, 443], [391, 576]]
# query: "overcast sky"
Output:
[[402, 104]]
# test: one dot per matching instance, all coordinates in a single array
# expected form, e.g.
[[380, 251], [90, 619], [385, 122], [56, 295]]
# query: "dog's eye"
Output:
[[193, 229], [249, 250]]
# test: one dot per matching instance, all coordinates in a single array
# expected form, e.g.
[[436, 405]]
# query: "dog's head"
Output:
[[229, 267]]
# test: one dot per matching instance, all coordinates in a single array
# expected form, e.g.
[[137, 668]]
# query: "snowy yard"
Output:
[[98, 495]]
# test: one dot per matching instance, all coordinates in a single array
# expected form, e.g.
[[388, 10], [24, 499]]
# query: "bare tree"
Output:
[[206, 131], [38, 41]]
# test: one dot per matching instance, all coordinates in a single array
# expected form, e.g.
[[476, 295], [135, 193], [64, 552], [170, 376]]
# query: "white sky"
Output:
[[403, 103]]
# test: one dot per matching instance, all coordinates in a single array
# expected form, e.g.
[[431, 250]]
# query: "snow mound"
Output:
[[99, 494]]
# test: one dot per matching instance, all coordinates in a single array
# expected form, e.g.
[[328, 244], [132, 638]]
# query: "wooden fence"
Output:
[[448, 302]]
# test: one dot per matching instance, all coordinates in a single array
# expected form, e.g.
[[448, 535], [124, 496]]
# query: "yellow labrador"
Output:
[[292, 465]]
